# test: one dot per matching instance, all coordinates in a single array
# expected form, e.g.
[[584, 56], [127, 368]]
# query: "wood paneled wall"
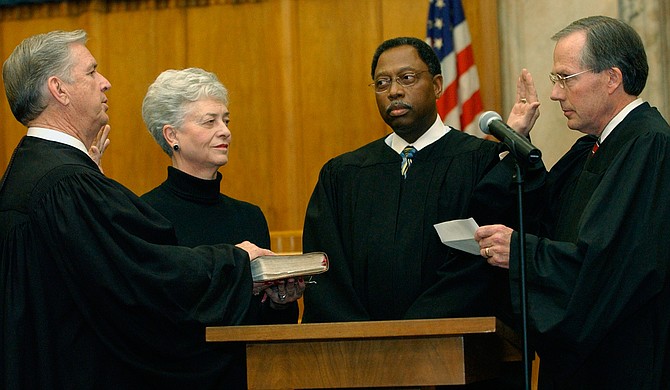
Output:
[[297, 72]]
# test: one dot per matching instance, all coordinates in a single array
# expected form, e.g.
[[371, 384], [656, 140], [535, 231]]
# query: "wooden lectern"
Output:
[[373, 354]]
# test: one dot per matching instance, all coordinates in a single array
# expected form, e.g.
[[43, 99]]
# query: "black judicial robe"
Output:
[[94, 291], [598, 275], [386, 258]]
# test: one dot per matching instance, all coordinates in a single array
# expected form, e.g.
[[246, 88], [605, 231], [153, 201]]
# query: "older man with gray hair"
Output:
[[95, 292]]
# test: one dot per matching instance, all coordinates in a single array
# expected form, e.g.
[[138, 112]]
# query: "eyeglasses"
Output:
[[383, 84], [557, 78]]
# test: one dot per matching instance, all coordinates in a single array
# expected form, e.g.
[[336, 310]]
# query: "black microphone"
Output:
[[491, 123]]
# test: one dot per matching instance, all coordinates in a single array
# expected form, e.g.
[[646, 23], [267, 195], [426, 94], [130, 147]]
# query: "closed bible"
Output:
[[269, 268]]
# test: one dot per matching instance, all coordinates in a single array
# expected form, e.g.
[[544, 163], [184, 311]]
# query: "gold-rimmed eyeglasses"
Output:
[[560, 79], [407, 79]]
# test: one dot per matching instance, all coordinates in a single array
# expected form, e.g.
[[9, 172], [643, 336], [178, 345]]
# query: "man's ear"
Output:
[[437, 85], [58, 90], [615, 79]]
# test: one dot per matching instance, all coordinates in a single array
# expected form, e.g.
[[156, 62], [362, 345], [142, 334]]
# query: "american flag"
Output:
[[447, 32]]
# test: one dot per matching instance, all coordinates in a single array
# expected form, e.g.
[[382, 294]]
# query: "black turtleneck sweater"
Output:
[[203, 216]]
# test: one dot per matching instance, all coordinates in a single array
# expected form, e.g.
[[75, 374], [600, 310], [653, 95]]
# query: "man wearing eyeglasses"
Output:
[[598, 270], [373, 209]]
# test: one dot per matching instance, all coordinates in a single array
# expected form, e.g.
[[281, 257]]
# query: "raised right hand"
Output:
[[526, 108]]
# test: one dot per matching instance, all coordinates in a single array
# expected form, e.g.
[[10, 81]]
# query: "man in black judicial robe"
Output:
[[387, 261], [598, 270], [94, 291]]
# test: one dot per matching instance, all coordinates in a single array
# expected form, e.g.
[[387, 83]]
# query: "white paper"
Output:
[[459, 234]]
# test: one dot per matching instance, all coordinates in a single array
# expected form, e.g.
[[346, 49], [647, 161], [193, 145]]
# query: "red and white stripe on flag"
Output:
[[448, 34]]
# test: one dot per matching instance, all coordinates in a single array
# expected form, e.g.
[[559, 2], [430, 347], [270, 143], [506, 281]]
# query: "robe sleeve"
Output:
[[495, 200], [578, 292], [118, 259], [466, 285], [321, 233]]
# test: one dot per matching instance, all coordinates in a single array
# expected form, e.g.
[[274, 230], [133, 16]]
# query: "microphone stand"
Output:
[[522, 276]]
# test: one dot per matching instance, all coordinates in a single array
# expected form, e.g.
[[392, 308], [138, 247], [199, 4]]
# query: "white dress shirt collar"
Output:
[[435, 132], [56, 136]]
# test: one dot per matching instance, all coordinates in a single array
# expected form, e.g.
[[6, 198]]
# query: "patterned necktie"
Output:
[[594, 149], [407, 155]]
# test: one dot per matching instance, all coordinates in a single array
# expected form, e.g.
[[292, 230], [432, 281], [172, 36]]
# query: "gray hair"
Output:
[[612, 43], [33, 61], [166, 100]]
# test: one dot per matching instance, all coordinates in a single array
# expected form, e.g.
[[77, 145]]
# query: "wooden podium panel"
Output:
[[372, 354]]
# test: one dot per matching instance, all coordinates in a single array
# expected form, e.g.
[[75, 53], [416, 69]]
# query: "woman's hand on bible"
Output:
[[281, 292]]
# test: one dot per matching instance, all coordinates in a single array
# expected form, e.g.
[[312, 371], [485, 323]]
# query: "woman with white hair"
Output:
[[186, 111]]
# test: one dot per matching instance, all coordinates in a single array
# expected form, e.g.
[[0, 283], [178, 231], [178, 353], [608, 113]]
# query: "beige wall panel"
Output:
[[336, 43], [403, 18], [482, 17], [250, 47], [137, 46]]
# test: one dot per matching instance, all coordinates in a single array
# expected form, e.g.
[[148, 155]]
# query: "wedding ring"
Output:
[[487, 252], [524, 101]]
